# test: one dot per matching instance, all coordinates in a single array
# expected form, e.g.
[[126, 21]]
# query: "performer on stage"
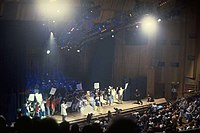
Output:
[[113, 94], [109, 96], [149, 98], [120, 94], [53, 105], [48, 104], [63, 110], [137, 95]]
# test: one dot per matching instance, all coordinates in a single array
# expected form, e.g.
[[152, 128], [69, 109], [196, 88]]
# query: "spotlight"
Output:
[[48, 51], [149, 24], [137, 26], [51, 33], [78, 50], [159, 20], [113, 36], [112, 30]]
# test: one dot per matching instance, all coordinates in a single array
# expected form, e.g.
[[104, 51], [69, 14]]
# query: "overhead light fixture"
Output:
[[149, 24], [48, 51], [159, 20]]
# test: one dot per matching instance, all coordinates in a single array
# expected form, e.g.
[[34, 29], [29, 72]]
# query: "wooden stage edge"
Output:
[[126, 106]]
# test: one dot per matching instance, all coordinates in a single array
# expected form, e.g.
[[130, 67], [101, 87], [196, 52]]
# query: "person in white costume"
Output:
[[63, 110]]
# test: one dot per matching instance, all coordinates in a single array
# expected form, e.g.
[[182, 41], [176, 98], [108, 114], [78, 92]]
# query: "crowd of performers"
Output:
[[51, 104]]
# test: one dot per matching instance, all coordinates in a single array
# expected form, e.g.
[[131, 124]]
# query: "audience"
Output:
[[181, 116]]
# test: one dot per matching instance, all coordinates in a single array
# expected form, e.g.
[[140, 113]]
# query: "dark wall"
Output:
[[139, 83], [15, 39], [100, 66]]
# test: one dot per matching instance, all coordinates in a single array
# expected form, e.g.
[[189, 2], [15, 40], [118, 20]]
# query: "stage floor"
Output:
[[77, 116]]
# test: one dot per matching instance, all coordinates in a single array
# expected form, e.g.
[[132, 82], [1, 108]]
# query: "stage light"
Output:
[[78, 50], [48, 51], [112, 36], [52, 0], [112, 30], [51, 34], [58, 10], [72, 29], [149, 24], [159, 20], [137, 26]]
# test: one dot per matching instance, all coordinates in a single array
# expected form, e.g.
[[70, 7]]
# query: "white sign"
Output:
[[31, 97], [126, 85], [39, 97], [96, 85], [79, 86], [69, 104], [53, 90]]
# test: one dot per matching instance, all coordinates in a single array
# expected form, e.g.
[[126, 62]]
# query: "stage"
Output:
[[125, 106]]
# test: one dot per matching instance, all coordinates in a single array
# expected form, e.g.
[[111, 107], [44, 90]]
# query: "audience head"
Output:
[[64, 127], [23, 124], [75, 128], [49, 125], [120, 125]]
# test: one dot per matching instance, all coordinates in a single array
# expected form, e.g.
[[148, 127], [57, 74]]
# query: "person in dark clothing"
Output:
[[137, 96]]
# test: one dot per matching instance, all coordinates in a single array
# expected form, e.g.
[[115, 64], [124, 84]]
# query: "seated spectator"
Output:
[[64, 127], [23, 125], [75, 128], [49, 125], [121, 125], [3, 128]]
